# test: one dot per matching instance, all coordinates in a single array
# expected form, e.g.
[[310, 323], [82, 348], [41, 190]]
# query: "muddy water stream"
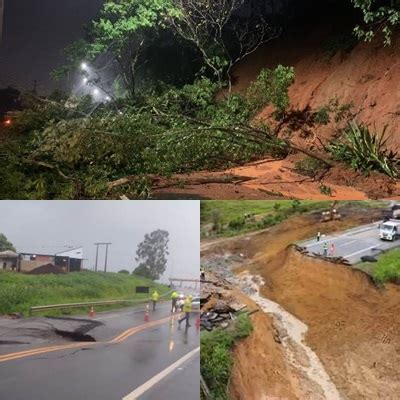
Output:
[[314, 380]]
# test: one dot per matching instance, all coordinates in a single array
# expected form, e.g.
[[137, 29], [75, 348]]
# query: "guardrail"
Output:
[[204, 388], [89, 304]]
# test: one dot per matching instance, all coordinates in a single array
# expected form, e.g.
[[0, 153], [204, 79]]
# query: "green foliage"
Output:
[[68, 150], [296, 206], [277, 206], [310, 166], [237, 223], [326, 190], [152, 254], [321, 116], [216, 358], [271, 87], [5, 244], [233, 216], [387, 269], [365, 151], [380, 17], [123, 271], [144, 271], [334, 110], [19, 292], [270, 220]]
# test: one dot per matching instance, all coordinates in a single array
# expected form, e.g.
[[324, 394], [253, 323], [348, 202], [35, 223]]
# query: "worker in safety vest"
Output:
[[187, 308], [155, 296], [174, 298]]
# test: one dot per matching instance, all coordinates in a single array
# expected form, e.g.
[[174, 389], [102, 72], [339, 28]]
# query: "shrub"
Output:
[[271, 87], [321, 116], [310, 166], [216, 358], [365, 151], [237, 223]]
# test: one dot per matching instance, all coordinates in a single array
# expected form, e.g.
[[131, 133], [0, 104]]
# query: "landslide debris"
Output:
[[259, 370], [352, 324]]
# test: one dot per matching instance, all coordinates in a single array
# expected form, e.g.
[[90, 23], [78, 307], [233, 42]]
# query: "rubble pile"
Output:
[[220, 315], [218, 306]]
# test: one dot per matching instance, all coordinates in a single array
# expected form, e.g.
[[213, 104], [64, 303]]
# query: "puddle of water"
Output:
[[295, 331]]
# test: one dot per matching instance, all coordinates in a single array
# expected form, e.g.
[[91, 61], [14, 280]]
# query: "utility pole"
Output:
[[105, 262], [97, 254]]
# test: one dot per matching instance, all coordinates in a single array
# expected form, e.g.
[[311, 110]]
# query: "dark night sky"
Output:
[[34, 34]]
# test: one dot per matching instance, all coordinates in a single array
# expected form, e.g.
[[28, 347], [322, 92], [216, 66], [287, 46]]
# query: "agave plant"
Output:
[[366, 151]]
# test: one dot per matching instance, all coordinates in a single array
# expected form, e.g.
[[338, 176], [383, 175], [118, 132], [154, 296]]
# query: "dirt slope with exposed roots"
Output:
[[367, 77]]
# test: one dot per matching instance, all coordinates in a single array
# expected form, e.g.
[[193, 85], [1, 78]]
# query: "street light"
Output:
[[85, 80], [84, 66], [96, 92]]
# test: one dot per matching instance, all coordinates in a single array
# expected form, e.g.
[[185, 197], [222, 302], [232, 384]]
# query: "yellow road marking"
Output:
[[118, 339]]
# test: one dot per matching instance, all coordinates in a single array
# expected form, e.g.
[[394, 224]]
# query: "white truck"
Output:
[[389, 230]]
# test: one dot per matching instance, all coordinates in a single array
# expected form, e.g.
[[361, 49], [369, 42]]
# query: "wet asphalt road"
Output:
[[110, 371], [353, 244]]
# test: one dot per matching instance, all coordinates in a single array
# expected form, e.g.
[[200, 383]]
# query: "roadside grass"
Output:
[[19, 292], [387, 269], [216, 355], [230, 218]]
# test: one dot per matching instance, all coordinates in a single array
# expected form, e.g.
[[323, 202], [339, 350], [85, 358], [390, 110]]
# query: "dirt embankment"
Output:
[[259, 371], [352, 325], [366, 77]]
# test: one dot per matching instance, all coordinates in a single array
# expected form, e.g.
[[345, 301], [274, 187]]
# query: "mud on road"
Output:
[[352, 325]]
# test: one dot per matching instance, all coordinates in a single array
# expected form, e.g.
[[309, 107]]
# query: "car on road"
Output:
[[196, 303], [181, 301]]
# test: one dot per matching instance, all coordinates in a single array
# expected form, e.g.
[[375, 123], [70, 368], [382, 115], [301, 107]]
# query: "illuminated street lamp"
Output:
[[96, 92], [84, 66]]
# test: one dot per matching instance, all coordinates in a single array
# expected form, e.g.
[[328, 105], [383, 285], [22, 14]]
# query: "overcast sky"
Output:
[[48, 226], [34, 34]]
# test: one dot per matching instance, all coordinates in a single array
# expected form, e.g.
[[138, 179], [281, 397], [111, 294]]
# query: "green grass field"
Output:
[[19, 292], [387, 269], [226, 218]]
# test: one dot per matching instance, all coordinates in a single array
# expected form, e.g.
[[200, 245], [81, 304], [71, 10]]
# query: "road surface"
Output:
[[352, 244], [130, 359]]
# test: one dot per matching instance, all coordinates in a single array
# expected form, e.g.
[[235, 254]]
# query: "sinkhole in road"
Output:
[[75, 336]]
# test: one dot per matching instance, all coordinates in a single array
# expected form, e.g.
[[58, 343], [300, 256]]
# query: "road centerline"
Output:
[[118, 339]]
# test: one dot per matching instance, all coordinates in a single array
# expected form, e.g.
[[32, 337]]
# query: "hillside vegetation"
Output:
[[230, 218], [259, 84], [19, 292], [387, 269]]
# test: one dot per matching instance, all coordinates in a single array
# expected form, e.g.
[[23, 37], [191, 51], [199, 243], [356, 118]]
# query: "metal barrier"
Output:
[[89, 304]]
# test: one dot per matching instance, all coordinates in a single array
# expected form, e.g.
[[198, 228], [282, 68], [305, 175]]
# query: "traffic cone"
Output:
[[92, 313], [146, 314]]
